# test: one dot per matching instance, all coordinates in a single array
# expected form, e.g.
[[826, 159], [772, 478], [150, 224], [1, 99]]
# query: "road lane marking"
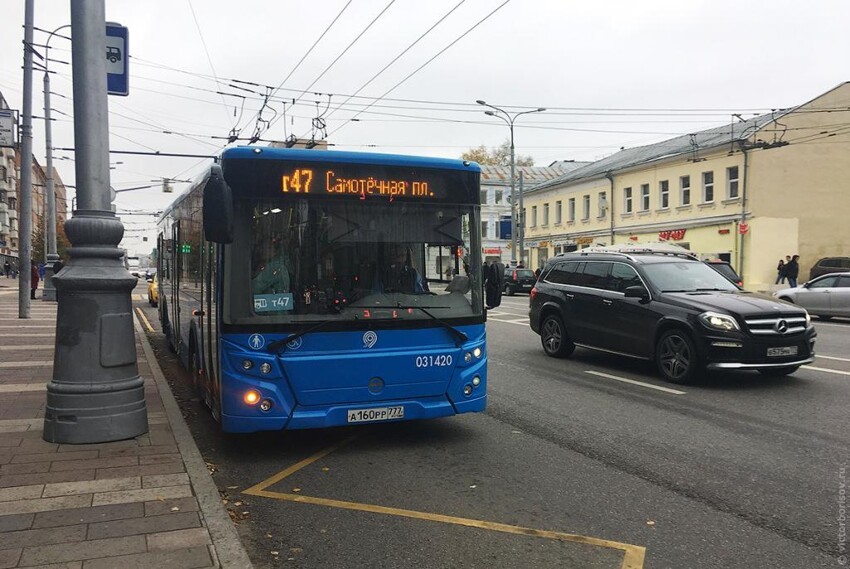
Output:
[[823, 369], [834, 324], [25, 348], [832, 358], [143, 319], [635, 382], [296, 467], [633, 555]]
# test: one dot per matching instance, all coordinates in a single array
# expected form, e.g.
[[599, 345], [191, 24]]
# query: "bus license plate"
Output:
[[783, 351], [375, 414]]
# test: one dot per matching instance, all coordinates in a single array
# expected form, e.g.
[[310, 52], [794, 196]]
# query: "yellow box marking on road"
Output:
[[633, 555], [143, 319]]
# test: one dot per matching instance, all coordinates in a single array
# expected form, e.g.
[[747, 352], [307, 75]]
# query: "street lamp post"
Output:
[[51, 253], [509, 120]]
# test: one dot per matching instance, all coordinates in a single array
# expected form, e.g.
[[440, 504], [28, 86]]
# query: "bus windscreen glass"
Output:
[[321, 259]]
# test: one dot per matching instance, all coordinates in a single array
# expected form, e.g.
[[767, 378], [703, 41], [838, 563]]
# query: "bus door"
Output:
[[175, 283]]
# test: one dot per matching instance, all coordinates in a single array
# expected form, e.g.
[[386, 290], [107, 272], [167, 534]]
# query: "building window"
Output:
[[603, 204], [627, 200], [732, 182], [685, 190], [545, 214], [558, 208], [500, 196], [2, 173], [664, 194], [485, 230], [644, 197], [585, 207], [483, 197], [522, 221], [571, 210], [707, 187], [534, 216]]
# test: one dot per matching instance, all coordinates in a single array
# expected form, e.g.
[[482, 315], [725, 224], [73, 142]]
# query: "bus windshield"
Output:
[[310, 260]]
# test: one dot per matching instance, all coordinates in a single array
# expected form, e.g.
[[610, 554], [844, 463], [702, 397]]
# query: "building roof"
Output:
[[498, 175], [681, 145]]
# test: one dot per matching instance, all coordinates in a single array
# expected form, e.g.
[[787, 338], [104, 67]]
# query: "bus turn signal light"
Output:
[[251, 397]]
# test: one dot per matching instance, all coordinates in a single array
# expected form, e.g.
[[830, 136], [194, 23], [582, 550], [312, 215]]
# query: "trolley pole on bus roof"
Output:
[[96, 394]]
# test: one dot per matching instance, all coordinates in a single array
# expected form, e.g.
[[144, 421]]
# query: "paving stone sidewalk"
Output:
[[144, 502]]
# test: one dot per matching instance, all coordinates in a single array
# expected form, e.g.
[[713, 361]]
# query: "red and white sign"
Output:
[[743, 228], [494, 251], [671, 235]]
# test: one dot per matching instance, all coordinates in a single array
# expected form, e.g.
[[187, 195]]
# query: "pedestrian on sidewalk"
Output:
[[792, 269], [58, 266], [33, 278], [780, 272], [7, 268]]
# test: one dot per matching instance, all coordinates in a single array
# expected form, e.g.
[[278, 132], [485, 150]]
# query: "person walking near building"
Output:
[[7, 268], [780, 272], [792, 270], [33, 279]]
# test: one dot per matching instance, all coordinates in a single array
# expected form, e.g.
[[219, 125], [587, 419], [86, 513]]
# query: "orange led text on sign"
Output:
[[299, 182], [375, 187]]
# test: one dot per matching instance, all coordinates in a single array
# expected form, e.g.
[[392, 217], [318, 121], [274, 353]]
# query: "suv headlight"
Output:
[[719, 321]]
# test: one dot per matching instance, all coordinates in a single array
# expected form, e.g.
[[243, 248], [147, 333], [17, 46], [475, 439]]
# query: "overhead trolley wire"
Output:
[[438, 54]]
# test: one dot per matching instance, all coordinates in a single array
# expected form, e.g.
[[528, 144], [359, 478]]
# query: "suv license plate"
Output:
[[783, 351], [375, 414]]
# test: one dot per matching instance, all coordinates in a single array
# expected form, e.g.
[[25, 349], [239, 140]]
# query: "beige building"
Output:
[[750, 192]]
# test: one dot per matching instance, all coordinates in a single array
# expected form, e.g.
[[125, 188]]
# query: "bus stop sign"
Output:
[[117, 62]]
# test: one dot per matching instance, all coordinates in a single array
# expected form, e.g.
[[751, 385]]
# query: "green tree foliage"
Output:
[[39, 235], [499, 156]]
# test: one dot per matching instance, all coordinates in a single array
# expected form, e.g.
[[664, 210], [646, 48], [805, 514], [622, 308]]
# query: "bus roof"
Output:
[[339, 156]]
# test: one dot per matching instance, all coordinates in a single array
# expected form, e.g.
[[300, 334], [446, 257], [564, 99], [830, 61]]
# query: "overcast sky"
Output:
[[611, 73]]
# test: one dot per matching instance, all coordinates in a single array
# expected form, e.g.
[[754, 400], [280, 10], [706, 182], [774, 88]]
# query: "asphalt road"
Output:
[[738, 471]]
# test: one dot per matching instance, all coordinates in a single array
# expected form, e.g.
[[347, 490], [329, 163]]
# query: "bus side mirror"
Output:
[[218, 208]]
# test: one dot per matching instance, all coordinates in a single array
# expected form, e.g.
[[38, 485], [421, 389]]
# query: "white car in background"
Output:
[[825, 296]]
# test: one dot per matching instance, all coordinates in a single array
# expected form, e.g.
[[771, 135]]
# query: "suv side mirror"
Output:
[[218, 208], [637, 291]]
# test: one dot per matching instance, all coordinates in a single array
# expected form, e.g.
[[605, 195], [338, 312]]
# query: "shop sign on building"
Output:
[[671, 235], [493, 251], [743, 228]]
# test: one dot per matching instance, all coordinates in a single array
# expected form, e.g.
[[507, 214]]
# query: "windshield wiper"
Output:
[[460, 337]]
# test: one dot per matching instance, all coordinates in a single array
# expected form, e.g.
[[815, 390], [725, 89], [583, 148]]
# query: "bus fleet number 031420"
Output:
[[440, 360]]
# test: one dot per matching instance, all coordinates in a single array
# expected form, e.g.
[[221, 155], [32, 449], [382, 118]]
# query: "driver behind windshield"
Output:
[[399, 274]]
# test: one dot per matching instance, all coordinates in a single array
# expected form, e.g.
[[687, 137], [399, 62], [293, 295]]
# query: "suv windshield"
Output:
[[686, 276], [315, 260]]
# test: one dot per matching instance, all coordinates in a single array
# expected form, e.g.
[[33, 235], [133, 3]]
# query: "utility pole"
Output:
[[51, 254], [509, 120], [96, 394], [521, 225], [25, 221]]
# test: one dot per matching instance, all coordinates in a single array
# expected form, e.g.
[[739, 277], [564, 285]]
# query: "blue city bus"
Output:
[[311, 288]]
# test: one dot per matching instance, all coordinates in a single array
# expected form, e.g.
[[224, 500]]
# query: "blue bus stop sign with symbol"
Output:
[[117, 60]]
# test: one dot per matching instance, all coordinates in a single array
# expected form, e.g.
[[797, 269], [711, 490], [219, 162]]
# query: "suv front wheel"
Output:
[[676, 357], [554, 338]]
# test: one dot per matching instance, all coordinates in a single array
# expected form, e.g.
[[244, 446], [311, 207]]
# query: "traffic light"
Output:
[[186, 248]]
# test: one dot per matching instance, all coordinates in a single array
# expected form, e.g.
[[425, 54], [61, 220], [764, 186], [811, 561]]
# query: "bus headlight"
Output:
[[477, 352], [251, 397], [467, 357], [476, 381], [467, 390], [265, 405], [247, 364], [265, 367]]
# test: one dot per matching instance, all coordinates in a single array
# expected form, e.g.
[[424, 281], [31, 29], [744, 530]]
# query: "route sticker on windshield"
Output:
[[281, 302]]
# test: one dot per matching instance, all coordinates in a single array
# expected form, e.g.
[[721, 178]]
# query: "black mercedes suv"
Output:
[[665, 306]]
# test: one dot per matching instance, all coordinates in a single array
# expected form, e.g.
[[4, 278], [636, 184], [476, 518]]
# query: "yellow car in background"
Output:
[[153, 290]]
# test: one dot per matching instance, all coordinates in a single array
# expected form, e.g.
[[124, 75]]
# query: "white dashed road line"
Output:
[[634, 382]]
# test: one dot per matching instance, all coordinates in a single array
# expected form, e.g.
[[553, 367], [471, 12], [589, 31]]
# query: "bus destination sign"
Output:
[[361, 185]]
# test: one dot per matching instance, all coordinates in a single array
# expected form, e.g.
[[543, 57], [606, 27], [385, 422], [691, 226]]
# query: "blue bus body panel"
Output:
[[317, 379], [344, 157]]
